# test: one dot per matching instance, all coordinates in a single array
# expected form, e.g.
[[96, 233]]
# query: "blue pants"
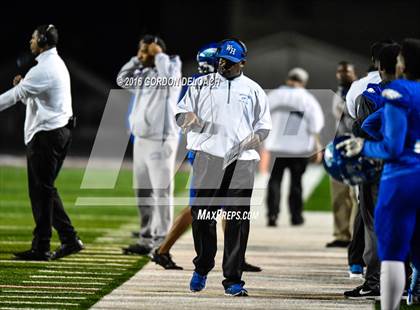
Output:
[[397, 218]]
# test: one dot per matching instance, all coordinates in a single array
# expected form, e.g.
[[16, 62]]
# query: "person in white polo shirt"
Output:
[[297, 122], [45, 90], [227, 117]]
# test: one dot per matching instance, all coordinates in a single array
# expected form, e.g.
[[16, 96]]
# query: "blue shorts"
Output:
[[397, 218]]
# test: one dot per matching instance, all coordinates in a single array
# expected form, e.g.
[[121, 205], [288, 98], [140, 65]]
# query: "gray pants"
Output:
[[367, 201], [154, 169]]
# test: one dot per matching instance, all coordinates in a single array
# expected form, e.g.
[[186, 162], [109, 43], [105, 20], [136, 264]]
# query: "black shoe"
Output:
[[33, 255], [165, 260], [67, 249], [298, 221], [272, 221], [137, 249], [363, 292], [250, 268], [337, 244]]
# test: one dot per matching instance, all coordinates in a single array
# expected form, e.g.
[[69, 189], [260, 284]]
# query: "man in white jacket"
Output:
[[223, 111], [151, 74]]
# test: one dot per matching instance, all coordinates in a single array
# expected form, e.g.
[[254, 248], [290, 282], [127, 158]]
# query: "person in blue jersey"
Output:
[[367, 103], [397, 215], [207, 63]]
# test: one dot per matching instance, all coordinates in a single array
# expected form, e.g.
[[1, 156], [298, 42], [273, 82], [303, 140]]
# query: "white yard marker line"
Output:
[[44, 297], [68, 277], [51, 287], [99, 260], [103, 255], [90, 268], [105, 252], [63, 262], [37, 303], [24, 242], [46, 292], [19, 227], [81, 272], [9, 308], [62, 282]]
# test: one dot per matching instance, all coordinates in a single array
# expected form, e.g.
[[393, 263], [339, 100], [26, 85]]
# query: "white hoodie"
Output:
[[152, 114]]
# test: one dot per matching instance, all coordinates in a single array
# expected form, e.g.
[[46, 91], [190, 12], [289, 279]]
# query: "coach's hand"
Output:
[[190, 119], [154, 49], [351, 147], [254, 143], [17, 79]]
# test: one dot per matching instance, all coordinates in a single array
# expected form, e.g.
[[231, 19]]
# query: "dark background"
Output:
[[96, 40]]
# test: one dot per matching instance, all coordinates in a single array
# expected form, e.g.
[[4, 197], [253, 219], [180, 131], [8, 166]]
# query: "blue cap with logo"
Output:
[[232, 50]]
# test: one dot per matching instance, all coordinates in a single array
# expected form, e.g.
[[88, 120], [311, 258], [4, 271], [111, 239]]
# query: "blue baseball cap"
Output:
[[231, 50]]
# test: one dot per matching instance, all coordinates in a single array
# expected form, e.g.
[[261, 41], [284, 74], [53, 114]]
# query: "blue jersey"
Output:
[[400, 145], [372, 124]]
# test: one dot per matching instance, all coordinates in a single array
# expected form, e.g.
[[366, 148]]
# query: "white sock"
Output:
[[392, 284]]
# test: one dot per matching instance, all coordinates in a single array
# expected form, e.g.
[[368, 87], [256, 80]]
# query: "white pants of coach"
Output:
[[154, 170]]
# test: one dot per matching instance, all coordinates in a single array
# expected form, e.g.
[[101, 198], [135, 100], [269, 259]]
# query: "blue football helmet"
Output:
[[206, 58], [350, 170]]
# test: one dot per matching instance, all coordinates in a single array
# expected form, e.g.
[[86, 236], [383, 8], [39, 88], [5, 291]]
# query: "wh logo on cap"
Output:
[[231, 49]]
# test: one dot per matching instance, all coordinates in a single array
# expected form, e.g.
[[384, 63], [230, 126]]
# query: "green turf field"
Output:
[[80, 280], [320, 199]]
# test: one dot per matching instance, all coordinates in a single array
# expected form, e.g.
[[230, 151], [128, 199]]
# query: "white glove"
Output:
[[351, 147]]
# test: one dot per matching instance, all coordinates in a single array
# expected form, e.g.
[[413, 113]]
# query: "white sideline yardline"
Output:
[[10, 308], [17, 302], [81, 272], [90, 268], [64, 282], [69, 277], [99, 260], [47, 292], [77, 264], [2, 286], [44, 297]]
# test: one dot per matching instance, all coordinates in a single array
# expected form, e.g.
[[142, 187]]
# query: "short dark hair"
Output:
[[149, 38], [410, 50], [388, 57], [375, 48], [50, 32], [345, 63]]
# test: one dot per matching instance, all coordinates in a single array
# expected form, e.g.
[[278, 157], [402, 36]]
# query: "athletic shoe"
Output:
[[298, 221], [67, 249], [237, 290], [250, 268], [363, 292], [165, 260], [137, 249], [356, 271], [272, 221], [198, 282], [33, 255], [337, 244]]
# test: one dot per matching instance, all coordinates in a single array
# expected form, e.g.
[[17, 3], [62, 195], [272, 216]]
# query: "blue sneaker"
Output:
[[356, 271], [198, 282], [236, 290]]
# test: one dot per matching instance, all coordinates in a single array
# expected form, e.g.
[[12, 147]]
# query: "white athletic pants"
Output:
[[153, 172]]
